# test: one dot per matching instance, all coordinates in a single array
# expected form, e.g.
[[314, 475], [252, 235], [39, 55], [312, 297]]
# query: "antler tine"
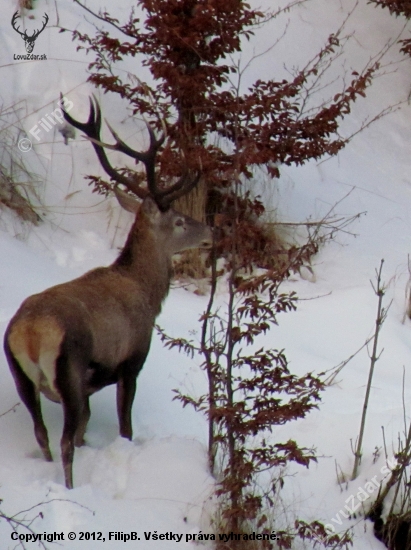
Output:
[[142, 156], [92, 129], [146, 157], [183, 186], [156, 143], [93, 124]]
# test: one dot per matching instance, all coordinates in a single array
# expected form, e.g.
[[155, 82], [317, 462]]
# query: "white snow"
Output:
[[160, 481]]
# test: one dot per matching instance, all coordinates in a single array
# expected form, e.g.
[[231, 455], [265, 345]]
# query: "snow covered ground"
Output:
[[159, 482]]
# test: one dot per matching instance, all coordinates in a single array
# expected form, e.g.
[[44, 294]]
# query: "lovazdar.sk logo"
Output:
[[29, 40]]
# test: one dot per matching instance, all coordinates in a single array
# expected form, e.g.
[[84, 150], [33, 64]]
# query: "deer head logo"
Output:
[[29, 41]]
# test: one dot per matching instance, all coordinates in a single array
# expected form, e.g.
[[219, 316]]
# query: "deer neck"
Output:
[[145, 260]]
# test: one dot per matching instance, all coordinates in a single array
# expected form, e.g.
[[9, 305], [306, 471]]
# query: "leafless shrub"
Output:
[[18, 185]]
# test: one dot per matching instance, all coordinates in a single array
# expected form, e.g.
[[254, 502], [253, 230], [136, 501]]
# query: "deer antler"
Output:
[[163, 197], [148, 157], [92, 129]]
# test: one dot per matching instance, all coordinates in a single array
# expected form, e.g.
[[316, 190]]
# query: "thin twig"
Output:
[[12, 409], [379, 290], [336, 370], [103, 18]]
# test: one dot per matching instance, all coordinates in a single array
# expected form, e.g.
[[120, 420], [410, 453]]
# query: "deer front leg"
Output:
[[126, 390], [81, 430]]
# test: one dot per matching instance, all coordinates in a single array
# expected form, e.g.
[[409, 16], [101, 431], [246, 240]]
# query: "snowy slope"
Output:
[[159, 481]]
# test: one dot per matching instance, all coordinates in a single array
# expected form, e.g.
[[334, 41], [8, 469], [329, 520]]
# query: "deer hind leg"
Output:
[[126, 390], [69, 381], [31, 398]]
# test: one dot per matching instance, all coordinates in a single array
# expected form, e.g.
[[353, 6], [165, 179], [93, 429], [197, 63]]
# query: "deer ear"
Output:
[[126, 201]]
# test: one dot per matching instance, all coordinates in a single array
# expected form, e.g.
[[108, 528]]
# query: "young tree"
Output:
[[211, 122]]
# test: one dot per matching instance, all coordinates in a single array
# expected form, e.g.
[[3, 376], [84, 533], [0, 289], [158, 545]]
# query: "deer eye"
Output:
[[179, 222]]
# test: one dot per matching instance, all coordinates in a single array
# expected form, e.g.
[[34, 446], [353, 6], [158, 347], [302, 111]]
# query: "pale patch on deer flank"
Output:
[[36, 346]]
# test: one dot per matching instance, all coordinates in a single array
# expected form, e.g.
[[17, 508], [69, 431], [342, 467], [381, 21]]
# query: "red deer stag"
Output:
[[75, 338]]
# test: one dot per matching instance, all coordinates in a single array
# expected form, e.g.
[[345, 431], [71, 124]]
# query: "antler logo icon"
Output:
[[29, 41]]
